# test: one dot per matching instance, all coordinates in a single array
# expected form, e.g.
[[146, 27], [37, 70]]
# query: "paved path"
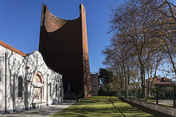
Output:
[[41, 112], [164, 102], [167, 101]]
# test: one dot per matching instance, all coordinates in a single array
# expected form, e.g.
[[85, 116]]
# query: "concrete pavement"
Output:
[[41, 112]]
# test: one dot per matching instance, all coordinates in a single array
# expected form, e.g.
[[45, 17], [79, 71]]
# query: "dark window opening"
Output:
[[50, 89], [56, 90], [60, 91], [20, 86]]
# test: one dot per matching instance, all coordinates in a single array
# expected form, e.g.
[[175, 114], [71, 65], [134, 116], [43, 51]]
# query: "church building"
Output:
[[41, 78], [26, 82], [64, 47]]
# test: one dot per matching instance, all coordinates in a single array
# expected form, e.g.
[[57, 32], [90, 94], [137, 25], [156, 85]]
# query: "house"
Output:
[[134, 86], [159, 82], [94, 84], [163, 84], [174, 82]]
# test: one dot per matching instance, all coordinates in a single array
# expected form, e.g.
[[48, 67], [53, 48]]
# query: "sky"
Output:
[[20, 24]]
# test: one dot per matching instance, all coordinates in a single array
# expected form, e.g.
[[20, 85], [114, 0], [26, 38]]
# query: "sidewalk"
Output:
[[41, 112]]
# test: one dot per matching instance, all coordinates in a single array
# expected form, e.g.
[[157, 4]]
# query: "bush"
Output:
[[90, 92], [161, 95], [102, 92], [113, 93], [167, 94]]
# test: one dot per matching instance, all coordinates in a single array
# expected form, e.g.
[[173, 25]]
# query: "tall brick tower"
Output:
[[63, 44]]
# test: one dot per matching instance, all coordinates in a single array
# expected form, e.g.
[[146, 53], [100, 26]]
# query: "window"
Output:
[[20, 86], [50, 89], [56, 90], [60, 91], [37, 79], [37, 93]]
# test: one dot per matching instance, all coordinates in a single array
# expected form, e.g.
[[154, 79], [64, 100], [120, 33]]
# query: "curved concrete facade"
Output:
[[63, 45], [19, 87]]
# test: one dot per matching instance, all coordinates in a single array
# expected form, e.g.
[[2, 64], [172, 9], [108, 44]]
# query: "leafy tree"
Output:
[[106, 77]]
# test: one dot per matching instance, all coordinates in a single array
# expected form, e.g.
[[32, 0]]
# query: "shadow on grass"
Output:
[[117, 108], [101, 106]]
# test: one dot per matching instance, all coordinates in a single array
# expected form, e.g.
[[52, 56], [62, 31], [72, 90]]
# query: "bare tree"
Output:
[[135, 21]]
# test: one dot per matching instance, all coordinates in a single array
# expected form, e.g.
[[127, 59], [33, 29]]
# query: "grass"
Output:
[[103, 106]]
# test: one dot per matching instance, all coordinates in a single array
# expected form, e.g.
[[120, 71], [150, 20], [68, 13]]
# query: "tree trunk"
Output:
[[143, 80], [124, 71], [128, 73]]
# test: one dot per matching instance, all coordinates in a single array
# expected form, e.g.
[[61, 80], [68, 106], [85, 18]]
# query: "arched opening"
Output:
[[38, 89], [20, 86]]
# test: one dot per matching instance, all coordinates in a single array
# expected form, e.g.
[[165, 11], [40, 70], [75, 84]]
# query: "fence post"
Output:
[[156, 95], [174, 95]]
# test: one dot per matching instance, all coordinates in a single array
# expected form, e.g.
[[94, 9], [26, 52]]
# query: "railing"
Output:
[[157, 95]]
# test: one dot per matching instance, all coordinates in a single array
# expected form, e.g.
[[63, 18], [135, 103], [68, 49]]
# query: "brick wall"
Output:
[[86, 71], [63, 46]]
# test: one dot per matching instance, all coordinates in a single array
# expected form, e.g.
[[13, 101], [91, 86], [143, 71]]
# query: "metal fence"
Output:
[[157, 95]]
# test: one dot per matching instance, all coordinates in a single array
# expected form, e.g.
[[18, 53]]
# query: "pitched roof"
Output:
[[3, 44], [163, 80]]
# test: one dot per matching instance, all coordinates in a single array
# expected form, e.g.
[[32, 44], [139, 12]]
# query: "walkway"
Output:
[[41, 112]]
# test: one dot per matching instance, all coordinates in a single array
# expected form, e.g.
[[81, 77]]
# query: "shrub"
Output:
[[101, 92], [90, 92], [167, 94]]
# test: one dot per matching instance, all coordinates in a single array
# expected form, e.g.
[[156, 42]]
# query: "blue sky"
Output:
[[20, 23]]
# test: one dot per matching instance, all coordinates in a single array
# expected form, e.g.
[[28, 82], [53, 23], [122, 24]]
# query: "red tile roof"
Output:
[[161, 81], [3, 44]]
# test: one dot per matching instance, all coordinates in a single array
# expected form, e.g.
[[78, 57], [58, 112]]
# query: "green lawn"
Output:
[[104, 106]]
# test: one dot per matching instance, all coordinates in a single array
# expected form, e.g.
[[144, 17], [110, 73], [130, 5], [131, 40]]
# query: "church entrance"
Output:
[[37, 94], [38, 89]]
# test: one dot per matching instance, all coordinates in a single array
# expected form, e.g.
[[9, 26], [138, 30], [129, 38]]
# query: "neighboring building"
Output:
[[159, 82], [134, 86], [26, 82], [94, 84], [64, 47], [174, 83]]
